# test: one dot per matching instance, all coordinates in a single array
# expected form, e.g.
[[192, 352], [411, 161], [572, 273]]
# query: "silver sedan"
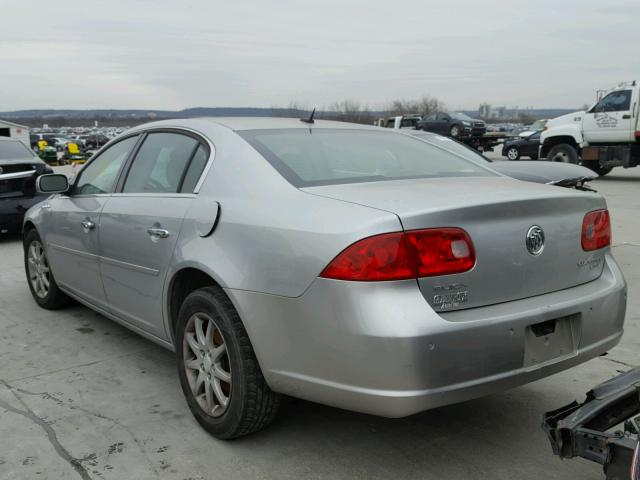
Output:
[[347, 265]]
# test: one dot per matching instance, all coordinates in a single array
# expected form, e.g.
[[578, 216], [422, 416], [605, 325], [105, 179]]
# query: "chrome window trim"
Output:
[[154, 195]]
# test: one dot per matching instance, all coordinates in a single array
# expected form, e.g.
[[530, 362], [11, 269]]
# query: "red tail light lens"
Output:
[[403, 255], [442, 251], [596, 230], [382, 257]]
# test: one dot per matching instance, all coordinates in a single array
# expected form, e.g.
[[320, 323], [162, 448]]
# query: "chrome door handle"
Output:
[[158, 232], [87, 225]]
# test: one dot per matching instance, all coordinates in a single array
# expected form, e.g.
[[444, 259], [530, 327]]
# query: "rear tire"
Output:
[[596, 167], [513, 153], [563, 153], [233, 398], [40, 278]]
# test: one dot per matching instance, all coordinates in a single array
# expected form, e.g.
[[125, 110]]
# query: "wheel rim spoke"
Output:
[[193, 364], [199, 332], [220, 396], [193, 344], [221, 374], [208, 393], [218, 352], [200, 380]]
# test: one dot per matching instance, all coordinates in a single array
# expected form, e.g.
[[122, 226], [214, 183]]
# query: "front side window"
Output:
[[99, 176], [160, 163], [619, 101], [336, 156]]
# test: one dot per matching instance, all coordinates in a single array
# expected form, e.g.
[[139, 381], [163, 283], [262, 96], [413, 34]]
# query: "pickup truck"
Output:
[[601, 138]]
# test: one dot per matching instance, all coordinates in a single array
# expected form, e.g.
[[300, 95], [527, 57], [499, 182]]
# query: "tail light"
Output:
[[596, 230], [404, 255]]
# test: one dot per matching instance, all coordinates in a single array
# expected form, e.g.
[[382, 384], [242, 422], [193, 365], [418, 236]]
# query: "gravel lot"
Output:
[[81, 397]]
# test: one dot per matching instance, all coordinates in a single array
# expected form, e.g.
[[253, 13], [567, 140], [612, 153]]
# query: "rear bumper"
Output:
[[379, 348]]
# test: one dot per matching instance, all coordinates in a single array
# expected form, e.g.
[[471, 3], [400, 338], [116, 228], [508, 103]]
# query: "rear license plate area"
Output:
[[551, 340]]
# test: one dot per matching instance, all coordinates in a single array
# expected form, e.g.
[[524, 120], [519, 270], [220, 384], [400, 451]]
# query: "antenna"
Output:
[[310, 119]]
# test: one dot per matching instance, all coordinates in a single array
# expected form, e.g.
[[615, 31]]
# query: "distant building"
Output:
[[13, 130], [484, 110]]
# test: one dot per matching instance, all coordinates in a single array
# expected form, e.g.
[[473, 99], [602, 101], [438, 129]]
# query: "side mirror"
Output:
[[52, 183]]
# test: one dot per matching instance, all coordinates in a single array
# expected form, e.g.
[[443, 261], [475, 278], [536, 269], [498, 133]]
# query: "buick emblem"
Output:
[[535, 240]]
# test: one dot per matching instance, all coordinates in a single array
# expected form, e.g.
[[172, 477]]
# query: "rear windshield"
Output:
[[334, 156], [11, 150]]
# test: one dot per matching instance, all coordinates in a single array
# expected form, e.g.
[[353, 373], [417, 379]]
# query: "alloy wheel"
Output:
[[562, 157], [207, 365], [512, 153], [39, 272]]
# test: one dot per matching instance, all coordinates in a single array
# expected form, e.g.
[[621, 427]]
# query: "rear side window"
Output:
[[195, 169], [160, 163], [333, 156], [100, 174]]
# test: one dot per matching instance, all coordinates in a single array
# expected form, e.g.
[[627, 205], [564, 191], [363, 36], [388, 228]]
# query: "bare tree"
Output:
[[349, 111], [425, 105]]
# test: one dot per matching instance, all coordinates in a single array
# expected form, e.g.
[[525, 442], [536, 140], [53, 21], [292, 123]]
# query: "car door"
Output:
[[74, 220], [429, 122], [140, 225], [611, 119], [443, 125], [531, 145]]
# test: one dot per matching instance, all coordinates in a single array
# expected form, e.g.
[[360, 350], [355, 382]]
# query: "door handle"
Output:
[[87, 225], [626, 116], [158, 232]]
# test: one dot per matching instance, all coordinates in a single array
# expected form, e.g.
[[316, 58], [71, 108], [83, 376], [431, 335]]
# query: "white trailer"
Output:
[[13, 130]]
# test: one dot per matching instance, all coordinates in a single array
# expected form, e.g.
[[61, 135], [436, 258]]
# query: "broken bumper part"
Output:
[[585, 429]]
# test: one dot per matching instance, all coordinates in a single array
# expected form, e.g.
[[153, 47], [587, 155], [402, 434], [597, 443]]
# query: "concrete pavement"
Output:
[[81, 397]]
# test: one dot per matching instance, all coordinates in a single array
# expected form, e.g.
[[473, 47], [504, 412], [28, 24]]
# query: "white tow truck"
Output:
[[606, 135]]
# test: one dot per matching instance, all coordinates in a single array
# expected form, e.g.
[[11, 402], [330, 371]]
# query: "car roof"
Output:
[[255, 123]]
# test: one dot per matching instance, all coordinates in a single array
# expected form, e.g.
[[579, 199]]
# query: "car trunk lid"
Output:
[[497, 213]]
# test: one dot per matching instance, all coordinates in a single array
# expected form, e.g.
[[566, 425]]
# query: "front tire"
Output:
[[40, 278], [219, 373], [513, 153], [563, 153], [455, 131]]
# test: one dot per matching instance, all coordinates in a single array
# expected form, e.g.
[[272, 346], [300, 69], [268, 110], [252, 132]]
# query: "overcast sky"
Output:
[[176, 54]]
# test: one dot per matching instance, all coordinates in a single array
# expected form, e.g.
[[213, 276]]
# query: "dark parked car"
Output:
[[550, 173], [95, 140], [452, 124], [19, 168], [522, 147]]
